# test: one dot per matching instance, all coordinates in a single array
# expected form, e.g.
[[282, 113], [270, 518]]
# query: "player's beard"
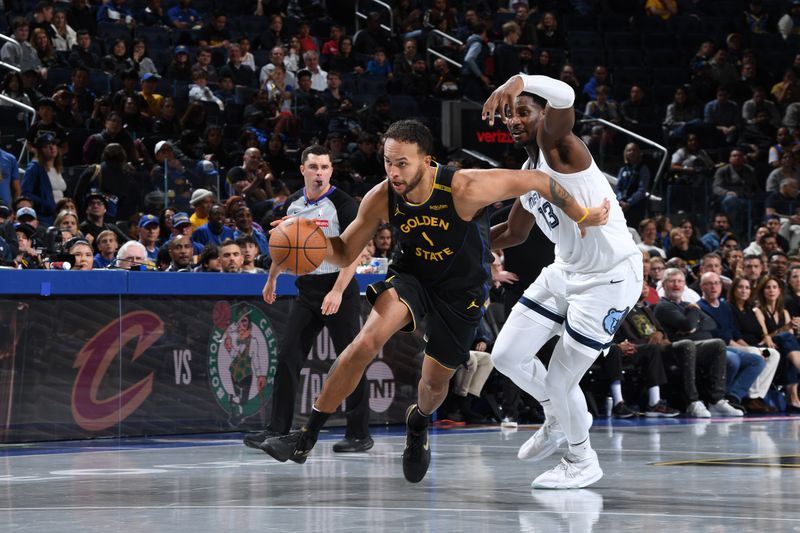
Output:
[[415, 181]]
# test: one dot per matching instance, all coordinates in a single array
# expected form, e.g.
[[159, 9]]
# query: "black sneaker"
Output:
[[294, 446], [623, 411], [352, 445], [417, 454], [255, 440], [661, 409]]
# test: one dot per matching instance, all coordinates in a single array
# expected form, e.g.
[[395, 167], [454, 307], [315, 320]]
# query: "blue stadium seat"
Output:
[[587, 57], [156, 37], [659, 41], [584, 39], [682, 24], [59, 75], [370, 85], [99, 81], [404, 106], [621, 39], [581, 23], [632, 75], [624, 57]]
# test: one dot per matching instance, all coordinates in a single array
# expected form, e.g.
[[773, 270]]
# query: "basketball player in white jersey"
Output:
[[583, 296]]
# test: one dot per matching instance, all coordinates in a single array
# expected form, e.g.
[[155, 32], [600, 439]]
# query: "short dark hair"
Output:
[[209, 252], [314, 149], [227, 242], [538, 100], [411, 131], [243, 239]]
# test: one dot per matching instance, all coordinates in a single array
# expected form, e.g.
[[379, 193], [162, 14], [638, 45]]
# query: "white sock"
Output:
[[616, 391], [654, 395], [581, 450]]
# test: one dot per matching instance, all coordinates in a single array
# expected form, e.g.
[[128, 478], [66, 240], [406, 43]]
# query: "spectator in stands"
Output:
[[681, 114], [214, 231], [247, 244], [81, 54], [778, 265], [402, 62], [636, 112], [648, 234], [691, 164], [215, 34], [204, 64], [791, 118], [734, 262], [46, 125], [791, 296], [83, 95], [758, 103], [758, 135], [788, 170], [755, 19], [22, 54], [778, 329], [789, 23], [373, 36], [177, 176], [720, 227], [180, 253], [10, 184], [167, 125], [544, 66], [151, 98], [366, 160], [277, 58], [247, 57], [43, 182], [346, 61], [597, 136], [444, 83], [723, 114], [81, 251], [418, 83], [199, 91], [744, 366], [665, 9], [148, 235], [230, 256], [12, 88], [209, 260], [686, 321], [548, 32], [722, 71], [44, 49], [785, 91], [633, 180], [96, 206], [117, 61], [67, 113], [64, 37], [378, 67], [642, 343], [506, 54], [782, 215], [116, 12], [333, 94], [599, 77], [67, 222], [107, 246], [240, 74], [183, 17], [680, 246], [95, 144], [131, 256], [379, 117], [29, 257], [179, 69], [153, 14], [274, 35], [182, 226], [318, 76], [783, 143], [201, 201], [81, 17], [244, 226], [735, 184], [408, 17], [384, 242], [474, 83], [567, 75]]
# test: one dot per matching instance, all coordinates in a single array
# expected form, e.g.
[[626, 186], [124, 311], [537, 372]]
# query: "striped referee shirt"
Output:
[[333, 211]]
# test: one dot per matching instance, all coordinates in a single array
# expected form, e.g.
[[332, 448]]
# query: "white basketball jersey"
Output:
[[603, 246]]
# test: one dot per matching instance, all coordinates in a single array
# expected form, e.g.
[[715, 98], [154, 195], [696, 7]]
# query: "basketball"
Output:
[[298, 245]]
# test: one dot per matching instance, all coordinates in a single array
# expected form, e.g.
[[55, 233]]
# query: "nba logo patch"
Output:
[[613, 320]]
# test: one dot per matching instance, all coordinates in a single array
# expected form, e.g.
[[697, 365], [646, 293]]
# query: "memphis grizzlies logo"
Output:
[[613, 320]]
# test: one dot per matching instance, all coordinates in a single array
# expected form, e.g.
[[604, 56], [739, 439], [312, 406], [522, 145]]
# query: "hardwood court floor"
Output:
[[676, 475]]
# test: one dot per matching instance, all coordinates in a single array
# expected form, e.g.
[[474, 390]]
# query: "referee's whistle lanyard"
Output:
[[318, 200]]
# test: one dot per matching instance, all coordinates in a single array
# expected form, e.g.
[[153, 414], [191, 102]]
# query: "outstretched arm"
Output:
[[345, 249], [559, 117], [475, 189]]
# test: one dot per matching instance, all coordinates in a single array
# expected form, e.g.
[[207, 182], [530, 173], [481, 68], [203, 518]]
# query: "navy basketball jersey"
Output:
[[439, 248]]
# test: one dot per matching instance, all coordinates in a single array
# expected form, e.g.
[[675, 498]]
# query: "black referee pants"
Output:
[[302, 327]]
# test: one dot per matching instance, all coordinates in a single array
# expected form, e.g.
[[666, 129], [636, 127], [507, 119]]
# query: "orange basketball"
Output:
[[298, 245]]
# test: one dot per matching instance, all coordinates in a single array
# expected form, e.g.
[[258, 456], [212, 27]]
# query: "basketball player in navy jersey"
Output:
[[442, 276]]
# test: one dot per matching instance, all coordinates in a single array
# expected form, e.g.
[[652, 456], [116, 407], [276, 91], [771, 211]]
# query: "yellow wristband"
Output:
[[585, 214]]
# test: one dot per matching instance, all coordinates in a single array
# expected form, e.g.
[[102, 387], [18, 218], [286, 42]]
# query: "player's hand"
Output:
[[262, 382], [504, 276], [331, 303], [503, 101], [277, 222], [598, 216], [268, 293]]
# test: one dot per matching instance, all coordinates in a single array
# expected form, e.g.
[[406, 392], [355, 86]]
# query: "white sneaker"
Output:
[[723, 408], [570, 474], [508, 423], [543, 443], [697, 410]]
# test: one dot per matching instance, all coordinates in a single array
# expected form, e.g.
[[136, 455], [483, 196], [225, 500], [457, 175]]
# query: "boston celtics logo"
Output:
[[242, 359]]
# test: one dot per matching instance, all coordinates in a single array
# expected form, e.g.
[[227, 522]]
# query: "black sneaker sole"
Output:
[[281, 455], [414, 472]]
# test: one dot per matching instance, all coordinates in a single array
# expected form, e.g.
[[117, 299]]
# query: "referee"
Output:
[[328, 297]]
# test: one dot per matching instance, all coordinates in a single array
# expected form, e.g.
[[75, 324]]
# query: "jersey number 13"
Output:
[[549, 215]]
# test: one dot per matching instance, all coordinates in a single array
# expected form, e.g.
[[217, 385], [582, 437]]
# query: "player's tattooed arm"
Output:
[[560, 195]]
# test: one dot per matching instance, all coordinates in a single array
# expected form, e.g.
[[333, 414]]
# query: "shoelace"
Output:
[[569, 469]]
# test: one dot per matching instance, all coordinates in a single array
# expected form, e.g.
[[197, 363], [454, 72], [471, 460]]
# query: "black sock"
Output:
[[316, 421], [417, 420]]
